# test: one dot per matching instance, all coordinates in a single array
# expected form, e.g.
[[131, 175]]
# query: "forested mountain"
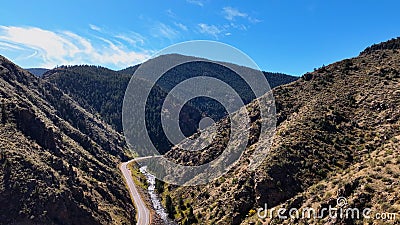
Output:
[[196, 67], [338, 135], [58, 162], [101, 91], [97, 89], [277, 79], [37, 71], [186, 71]]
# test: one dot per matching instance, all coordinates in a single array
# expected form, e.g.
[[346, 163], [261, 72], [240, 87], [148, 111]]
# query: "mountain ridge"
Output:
[[338, 135], [328, 121], [58, 163], [101, 91]]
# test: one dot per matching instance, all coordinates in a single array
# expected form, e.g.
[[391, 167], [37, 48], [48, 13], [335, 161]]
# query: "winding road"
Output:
[[142, 212]]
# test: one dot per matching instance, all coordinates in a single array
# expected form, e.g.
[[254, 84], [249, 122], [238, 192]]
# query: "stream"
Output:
[[158, 207]]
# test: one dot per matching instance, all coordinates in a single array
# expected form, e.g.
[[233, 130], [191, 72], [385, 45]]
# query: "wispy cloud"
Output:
[[64, 47], [241, 27], [232, 13], [210, 30], [94, 27], [132, 38], [170, 13], [196, 2], [8, 46], [181, 26], [254, 20], [162, 30]]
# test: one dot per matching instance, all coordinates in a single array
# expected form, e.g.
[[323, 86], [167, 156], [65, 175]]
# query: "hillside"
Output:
[[337, 135], [196, 67], [58, 163], [101, 91], [203, 67], [98, 89], [392, 44]]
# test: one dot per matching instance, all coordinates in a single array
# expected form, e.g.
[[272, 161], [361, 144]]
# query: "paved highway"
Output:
[[142, 212]]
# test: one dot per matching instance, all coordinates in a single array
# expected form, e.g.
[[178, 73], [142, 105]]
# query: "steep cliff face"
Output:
[[58, 163], [330, 123]]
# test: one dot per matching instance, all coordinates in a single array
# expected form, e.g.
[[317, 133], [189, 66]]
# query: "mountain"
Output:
[[98, 89], [274, 79], [37, 71], [101, 91], [58, 162], [338, 135], [393, 44], [195, 67]]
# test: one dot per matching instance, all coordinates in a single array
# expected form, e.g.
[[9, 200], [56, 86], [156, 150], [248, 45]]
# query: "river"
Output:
[[158, 207]]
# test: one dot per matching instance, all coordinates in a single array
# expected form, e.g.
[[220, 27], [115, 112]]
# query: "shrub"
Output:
[[252, 212]]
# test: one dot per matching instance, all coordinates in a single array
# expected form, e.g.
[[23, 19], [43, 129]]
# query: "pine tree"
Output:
[[170, 207], [191, 218], [159, 186], [181, 204]]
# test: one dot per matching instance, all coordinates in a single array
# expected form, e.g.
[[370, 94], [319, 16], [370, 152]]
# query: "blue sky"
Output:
[[282, 36]]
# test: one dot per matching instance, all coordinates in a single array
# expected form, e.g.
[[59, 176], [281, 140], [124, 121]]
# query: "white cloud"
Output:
[[209, 29], [254, 20], [181, 26], [230, 13], [170, 13], [66, 48], [196, 2], [94, 27], [241, 27], [162, 30], [132, 38], [8, 46]]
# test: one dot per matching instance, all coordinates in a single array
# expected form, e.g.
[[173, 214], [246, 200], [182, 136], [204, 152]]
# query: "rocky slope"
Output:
[[337, 135], [58, 163]]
